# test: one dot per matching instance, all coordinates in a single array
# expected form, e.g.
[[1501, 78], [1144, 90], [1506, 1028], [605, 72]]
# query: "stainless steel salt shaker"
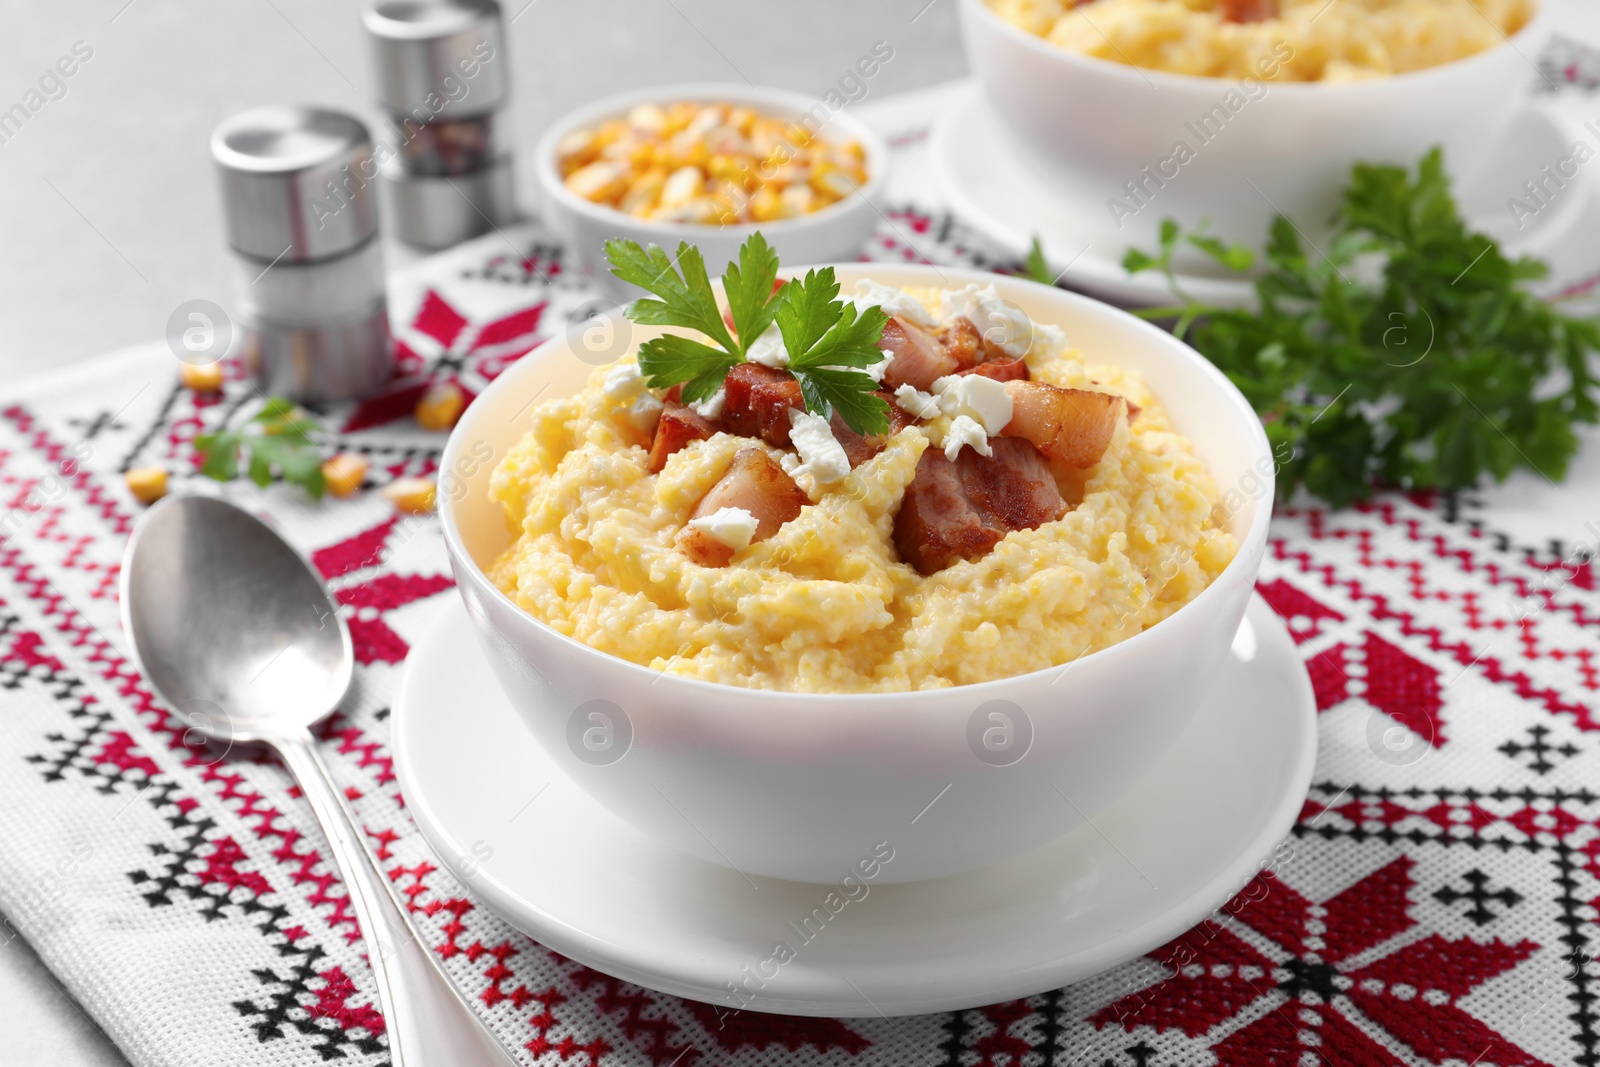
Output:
[[443, 80], [301, 219]]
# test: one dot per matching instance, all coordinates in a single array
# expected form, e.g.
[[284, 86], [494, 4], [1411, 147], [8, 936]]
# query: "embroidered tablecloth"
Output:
[[1437, 902]]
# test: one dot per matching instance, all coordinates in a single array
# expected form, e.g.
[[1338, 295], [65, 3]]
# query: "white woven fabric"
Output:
[[183, 898]]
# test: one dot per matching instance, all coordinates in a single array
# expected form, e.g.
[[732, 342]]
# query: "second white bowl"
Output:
[[835, 232]]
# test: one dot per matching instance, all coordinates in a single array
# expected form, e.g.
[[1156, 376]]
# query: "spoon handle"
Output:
[[350, 857], [427, 1020]]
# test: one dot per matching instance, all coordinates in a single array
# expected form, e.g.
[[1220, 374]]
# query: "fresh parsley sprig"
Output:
[[1407, 352], [826, 338], [275, 443]]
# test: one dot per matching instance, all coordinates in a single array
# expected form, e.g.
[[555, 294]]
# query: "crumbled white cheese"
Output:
[[998, 321], [879, 369], [624, 380], [1049, 340], [981, 399], [645, 413], [915, 402], [964, 431], [813, 439], [893, 302], [958, 303], [768, 349], [711, 406], [734, 527]]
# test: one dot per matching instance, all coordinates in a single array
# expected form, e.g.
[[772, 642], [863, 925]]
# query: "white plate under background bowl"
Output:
[[565, 871], [993, 189]]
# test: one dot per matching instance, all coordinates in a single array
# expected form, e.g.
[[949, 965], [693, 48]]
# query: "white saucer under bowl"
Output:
[[980, 176], [579, 880]]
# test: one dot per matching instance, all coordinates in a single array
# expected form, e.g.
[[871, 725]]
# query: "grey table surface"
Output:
[[109, 213]]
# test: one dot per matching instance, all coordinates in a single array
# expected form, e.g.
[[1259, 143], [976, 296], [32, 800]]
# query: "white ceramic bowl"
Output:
[[835, 232], [806, 786], [1087, 126]]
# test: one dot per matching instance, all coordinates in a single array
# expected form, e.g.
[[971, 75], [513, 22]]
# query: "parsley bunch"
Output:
[[827, 339], [1407, 352], [275, 442]]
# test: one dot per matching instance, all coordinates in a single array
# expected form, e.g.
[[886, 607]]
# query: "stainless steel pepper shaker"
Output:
[[302, 223], [443, 79]]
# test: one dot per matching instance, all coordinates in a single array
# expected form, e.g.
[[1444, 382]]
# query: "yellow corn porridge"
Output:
[[825, 604], [1305, 40]]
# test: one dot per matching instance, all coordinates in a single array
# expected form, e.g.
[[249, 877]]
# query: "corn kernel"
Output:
[[725, 166], [610, 131], [682, 186], [440, 406], [598, 181], [686, 149], [576, 149], [342, 475], [679, 116], [765, 205], [645, 191], [725, 208], [796, 199], [201, 378], [414, 496], [147, 484], [708, 119], [648, 118], [833, 183]]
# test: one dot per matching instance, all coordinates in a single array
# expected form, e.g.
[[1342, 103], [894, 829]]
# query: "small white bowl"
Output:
[[805, 786], [835, 232], [1086, 126]]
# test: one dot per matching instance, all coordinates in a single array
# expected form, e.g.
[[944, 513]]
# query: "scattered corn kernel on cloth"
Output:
[[1441, 911]]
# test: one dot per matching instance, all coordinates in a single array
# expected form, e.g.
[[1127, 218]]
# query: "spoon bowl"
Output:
[[229, 624]]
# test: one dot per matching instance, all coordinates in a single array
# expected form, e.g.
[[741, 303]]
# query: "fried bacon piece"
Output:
[[919, 358], [1007, 370], [859, 449], [975, 355], [1072, 425], [757, 402], [964, 344], [961, 509], [752, 482], [679, 425], [1249, 10]]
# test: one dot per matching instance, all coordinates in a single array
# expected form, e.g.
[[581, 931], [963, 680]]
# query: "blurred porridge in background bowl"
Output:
[[1297, 40]]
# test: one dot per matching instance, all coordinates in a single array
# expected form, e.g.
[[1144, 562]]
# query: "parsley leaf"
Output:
[[672, 358], [276, 443], [1429, 367], [825, 338], [686, 300], [749, 285]]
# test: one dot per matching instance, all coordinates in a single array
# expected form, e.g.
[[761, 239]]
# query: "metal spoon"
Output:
[[238, 635]]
